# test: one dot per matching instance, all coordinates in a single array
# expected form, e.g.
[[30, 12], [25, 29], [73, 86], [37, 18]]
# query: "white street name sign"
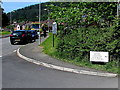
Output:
[[54, 28]]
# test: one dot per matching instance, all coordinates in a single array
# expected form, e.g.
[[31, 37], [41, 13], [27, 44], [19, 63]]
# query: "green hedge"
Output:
[[79, 60], [77, 44]]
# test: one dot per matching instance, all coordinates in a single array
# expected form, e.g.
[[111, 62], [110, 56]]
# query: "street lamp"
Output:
[[39, 22], [10, 18], [48, 18]]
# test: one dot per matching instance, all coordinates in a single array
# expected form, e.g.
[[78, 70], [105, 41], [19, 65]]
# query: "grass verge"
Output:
[[4, 32], [51, 51], [48, 45]]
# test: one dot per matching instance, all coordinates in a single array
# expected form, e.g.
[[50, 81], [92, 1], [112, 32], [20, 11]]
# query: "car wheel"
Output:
[[25, 41], [31, 40], [34, 40], [12, 42]]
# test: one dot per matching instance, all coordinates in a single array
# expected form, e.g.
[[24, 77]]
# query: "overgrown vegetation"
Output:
[[78, 42], [84, 28], [52, 51], [10, 27]]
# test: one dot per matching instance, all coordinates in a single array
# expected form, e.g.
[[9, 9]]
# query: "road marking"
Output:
[[14, 50]]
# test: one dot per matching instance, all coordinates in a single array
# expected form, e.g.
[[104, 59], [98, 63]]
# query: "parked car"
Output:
[[29, 35], [21, 36], [34, 35]]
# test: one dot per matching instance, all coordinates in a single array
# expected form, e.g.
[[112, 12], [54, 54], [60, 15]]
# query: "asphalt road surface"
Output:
[[7, 48], [18, 73]]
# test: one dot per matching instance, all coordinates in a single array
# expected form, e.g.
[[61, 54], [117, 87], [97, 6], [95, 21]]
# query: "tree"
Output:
[[5, 20], [83, 30]]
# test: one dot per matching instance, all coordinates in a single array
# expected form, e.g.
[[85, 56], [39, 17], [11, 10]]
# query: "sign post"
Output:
[[54, 30], [53, 40]]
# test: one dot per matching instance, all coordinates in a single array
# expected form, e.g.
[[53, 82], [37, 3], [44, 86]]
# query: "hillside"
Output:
[[31, 13]]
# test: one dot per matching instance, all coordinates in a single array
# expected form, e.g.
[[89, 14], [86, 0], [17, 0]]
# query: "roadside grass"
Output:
[[51, 51], [48, 45], [4, 32]]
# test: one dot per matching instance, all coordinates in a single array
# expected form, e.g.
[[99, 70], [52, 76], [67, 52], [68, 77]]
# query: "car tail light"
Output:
[[23, 35], [11, 35]]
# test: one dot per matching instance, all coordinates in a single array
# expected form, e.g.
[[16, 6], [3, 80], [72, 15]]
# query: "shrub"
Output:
[[79, 42]]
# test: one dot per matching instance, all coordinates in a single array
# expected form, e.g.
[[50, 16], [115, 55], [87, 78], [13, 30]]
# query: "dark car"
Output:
[[21, 36], [34, 34]]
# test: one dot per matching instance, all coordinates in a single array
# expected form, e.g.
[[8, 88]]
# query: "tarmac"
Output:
[[34, 54]]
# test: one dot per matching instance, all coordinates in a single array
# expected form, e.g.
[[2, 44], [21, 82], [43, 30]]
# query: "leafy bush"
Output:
[[78, 43], [83, 28], [11, 27], [70, 48]]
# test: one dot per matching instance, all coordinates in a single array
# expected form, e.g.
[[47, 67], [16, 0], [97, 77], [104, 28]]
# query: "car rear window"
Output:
[[18, 33]]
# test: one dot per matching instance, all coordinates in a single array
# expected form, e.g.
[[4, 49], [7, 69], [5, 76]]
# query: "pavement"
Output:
[[33, 53]]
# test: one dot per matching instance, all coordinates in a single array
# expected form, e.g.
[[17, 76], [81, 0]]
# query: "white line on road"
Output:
[[8, 53], [14, 50]]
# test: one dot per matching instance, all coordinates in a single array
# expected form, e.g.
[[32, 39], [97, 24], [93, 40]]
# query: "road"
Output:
[[18, 73], [7, 48]]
